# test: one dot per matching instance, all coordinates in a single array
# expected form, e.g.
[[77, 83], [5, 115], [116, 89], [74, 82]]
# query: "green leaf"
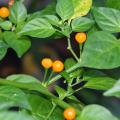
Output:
[[12, 97], [48, 10], [100, 83], [81, 7], [98, 3], [19, 27], [66, 30], [90, 73], [113, 4], [38, 27], [28, 86], [22, 78], [14, 116], [38, 88], [115, 91], [98, 80], [3, 49], [6, 25], [96, 112], [70, 62], [95, 28], [41, 107], [82, 24], [20, 45], [108, 19], [64, 9], [101, 51], [18, 12], [52, 19], [56, 35], [65, 75], [61, 92]]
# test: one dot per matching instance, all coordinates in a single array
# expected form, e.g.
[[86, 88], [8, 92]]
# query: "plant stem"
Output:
[[52, 73], [52, 110], [80, 46], [54, 79], [45, 75], [76, 83], [75, 91], [71, 50]]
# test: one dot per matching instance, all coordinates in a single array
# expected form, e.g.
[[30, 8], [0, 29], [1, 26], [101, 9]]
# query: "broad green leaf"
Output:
[[56, 35], [19, 27], [18, 12], [61, 92], [20, 45], [98, 80], [114, 73], [14, 116], [38, 27], [95, 28], [90, 73], [64, 9], [108, 19], [12, 97], [6, 25], [69, 63], [3, 49], [115, 91], [100, 83], [99, 2], [81, 24], [38, 88], [113, 4], [41, 107], [28, 86], [48, 10], [101, 51], [22, 78], [52, 19], [81, 7], [96, 112]]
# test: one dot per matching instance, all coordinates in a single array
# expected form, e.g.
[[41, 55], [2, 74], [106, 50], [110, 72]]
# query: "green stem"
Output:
[[76, 83], [80, 46], [75, 91], [54, 79], [65, 105], [71, 50], [52, 73], [45, 75], [47, 83], [52, 110]]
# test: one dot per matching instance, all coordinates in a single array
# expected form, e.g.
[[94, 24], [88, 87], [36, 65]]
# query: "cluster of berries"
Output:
[[57, 66]]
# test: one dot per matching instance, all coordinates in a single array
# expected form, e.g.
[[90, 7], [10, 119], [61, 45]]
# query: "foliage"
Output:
[[101, 50]]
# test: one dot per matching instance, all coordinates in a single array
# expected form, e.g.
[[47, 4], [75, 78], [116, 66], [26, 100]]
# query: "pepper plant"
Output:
[[96, 31]]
